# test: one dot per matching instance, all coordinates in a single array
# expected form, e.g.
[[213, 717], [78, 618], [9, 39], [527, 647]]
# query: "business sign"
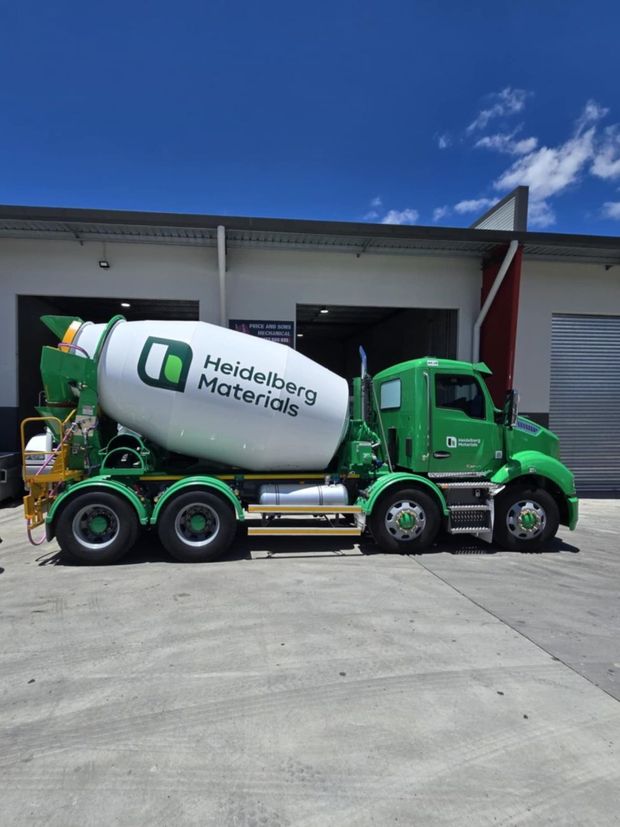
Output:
[[281, 332]]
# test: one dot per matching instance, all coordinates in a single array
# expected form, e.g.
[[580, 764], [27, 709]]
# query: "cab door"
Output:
[[464, 436]]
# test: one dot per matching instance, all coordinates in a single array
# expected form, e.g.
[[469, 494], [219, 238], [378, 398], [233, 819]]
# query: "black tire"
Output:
[[390, 535], [199, 543], [97, 527], [514, 533]]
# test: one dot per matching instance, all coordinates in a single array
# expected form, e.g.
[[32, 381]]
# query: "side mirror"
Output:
[[511, 408]]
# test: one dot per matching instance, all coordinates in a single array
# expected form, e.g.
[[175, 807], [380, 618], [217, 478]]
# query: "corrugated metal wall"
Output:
[[585, 398], [502, 219]]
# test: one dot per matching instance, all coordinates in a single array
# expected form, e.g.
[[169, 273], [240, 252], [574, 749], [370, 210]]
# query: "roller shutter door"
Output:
[[585, 398]]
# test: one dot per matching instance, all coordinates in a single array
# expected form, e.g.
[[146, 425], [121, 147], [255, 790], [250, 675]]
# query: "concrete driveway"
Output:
[[313, 687]]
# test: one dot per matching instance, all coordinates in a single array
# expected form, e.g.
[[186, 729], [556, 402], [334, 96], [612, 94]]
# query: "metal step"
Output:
[[459, 475], [301, 531], [475, 529], [257, 508], [469, 507], [472, 484]]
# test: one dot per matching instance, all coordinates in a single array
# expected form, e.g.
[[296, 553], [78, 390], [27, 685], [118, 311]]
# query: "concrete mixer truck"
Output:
[[188, 430]]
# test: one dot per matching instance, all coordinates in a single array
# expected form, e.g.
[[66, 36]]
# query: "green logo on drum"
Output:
[[165, 363]]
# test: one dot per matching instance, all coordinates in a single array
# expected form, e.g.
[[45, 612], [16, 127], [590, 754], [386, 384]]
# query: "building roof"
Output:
[[508, 214], [284, 233]]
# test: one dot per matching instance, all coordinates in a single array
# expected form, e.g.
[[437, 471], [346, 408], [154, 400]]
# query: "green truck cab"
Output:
[[439, 421]]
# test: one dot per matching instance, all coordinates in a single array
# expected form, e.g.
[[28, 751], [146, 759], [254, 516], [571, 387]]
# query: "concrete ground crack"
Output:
[[415, 559]]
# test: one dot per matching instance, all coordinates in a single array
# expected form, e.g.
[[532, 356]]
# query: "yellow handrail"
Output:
[[43, 483]]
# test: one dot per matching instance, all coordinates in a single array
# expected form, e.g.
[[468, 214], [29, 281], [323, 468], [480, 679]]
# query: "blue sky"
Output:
[[405, 112]]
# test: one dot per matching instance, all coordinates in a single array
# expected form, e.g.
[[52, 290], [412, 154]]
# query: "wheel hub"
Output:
[[197, 524], [95, 526], [98, 524], [526, 519], [405, 520]]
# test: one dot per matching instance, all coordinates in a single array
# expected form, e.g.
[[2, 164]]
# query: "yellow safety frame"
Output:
[[43, 484]]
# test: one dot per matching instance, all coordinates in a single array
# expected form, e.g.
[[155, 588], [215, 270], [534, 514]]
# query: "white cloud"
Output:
[[505, 142], [606, 163], [592, 113], [474, 205], [540, 214], [377, 213], [406, 216], [373, 213], [444, 141], [502, 104], [550, 170], [611, 209], [525, 145], [440, 212]]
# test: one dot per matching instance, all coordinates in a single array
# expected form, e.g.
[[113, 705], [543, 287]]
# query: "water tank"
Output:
[[219, 395]]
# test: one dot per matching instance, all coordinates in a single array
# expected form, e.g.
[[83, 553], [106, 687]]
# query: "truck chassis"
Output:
[[97, 519]]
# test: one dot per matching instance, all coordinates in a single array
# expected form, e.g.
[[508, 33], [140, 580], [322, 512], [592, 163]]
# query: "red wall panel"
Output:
[[499, 330]]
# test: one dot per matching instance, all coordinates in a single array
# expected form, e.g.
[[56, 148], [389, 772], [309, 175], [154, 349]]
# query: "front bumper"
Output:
[[573, 511]]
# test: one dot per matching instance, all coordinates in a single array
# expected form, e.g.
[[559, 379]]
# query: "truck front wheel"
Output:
[[97, 527], [525, 518], [405, 521], [196, 527]]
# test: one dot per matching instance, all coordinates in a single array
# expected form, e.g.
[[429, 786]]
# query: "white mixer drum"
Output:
[[219, 395]]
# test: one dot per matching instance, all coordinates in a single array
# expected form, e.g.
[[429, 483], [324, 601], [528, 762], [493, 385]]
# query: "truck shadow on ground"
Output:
[[460, 545], [148, 549], [345, 547]]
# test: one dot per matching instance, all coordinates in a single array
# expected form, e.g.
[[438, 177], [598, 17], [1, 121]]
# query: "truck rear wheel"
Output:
[[197, 527], [405, 521], [526, 518], [97, 527]]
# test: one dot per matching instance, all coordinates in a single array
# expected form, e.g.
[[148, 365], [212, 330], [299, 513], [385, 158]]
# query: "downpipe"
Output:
[[499, 278]]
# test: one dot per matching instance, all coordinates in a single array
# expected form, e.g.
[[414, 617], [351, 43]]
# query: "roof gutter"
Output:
[[499, 278]]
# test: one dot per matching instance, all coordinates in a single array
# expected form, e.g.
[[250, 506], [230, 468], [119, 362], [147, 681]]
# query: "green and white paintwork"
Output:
[[151, 377], [218, 395]]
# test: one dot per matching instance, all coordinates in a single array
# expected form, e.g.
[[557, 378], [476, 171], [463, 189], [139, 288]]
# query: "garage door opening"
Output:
[[331, 335], [32, 334]]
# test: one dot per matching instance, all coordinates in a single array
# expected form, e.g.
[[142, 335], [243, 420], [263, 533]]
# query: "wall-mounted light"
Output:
[[324, 310], [300, 335], [103, 261], [125, 304]]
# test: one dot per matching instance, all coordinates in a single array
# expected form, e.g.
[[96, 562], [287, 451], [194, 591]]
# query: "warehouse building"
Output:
[[541, 309]]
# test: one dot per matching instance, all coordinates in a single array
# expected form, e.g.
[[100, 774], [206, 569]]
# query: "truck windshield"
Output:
[[461, 393]]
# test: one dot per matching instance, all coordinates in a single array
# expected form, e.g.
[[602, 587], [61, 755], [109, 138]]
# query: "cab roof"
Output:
[[425, 362]]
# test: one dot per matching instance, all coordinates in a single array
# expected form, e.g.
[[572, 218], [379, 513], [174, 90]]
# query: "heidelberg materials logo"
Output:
[[165, 363]]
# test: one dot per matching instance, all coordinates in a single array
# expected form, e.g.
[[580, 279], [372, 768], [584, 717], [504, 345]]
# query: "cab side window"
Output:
[[461, 393], [390, 395]]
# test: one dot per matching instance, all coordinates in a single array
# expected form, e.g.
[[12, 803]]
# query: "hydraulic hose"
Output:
[[32, 540]]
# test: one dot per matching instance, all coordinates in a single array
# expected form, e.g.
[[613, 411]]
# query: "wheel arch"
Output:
[[542, 471], [199, 483], [395, 480], [547, 484], [88, 486]]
